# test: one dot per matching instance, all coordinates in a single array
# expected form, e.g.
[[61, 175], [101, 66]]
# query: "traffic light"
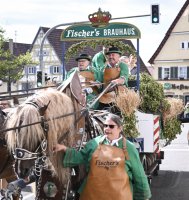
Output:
[[39, 78], [155, 14]]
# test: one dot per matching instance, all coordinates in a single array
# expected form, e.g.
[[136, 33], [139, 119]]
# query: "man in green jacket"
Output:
[[115, 72], [88, 77]]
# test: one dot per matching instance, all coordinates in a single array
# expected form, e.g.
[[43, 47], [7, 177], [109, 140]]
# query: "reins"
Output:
[[45, 120]]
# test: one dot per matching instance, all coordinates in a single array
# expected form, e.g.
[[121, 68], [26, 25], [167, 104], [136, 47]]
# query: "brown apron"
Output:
[[89, 76], [109, 75], [107, 178]]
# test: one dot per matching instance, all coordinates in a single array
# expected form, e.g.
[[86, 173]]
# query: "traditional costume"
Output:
[[86, 76], [114, 171], [120, 70]]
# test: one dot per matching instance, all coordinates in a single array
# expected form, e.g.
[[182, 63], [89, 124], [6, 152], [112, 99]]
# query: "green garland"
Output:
[[129, 126], [154, 102], [152, 94], [75, 48], [171, 128]]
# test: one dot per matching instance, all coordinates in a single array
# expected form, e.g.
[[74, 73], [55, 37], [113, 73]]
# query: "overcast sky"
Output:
[[21, 19]]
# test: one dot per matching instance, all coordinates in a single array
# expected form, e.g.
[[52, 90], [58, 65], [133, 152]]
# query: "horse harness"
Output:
[[40, 154]]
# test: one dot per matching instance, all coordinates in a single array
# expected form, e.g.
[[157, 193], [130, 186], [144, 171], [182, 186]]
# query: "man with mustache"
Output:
[[115, 72]]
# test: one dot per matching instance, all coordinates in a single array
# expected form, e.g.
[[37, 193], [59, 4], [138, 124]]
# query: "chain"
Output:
[[38, 187], [40, 163]]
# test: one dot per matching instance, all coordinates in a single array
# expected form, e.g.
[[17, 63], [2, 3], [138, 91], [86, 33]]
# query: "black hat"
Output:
[[83, 56], [113, 50]]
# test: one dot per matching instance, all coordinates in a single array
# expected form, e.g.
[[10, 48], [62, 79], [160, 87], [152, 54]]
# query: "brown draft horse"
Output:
[[35, 140], [29, 140], [6, 168]]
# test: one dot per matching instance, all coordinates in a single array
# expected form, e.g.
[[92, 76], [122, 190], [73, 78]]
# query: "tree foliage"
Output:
[[11, 67]]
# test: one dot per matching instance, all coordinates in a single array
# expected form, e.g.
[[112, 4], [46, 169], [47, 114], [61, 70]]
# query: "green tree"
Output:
[[11, 67]]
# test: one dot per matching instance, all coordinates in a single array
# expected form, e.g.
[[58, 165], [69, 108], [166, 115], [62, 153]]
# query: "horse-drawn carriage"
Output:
[[61, 116], [43, 120]]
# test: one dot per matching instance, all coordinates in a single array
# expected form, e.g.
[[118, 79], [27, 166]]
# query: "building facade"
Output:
[[171, 59]]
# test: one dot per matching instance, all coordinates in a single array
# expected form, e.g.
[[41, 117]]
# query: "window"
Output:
[[174, 72], [184, 45], [166, 73], [30, 70], [159, 73], [183, 72], [45, 53], [186, 98], [54, 69], [163, 73]]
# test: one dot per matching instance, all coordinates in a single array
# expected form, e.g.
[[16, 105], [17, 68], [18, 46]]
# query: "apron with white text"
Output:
[[107, 178]]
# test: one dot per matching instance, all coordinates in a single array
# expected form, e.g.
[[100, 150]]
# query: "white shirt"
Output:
[[114, 142]]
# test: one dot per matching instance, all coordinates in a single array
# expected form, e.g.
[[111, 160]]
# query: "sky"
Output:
[[21, 19]]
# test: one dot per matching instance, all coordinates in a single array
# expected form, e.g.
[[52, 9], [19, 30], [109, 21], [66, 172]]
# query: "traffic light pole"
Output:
[[68, 24]]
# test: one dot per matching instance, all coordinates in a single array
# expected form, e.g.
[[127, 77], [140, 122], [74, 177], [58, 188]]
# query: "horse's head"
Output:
[[28, 141], [38, 128]]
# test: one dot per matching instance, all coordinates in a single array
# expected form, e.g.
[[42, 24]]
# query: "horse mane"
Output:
[[29, 137], [2, 119]]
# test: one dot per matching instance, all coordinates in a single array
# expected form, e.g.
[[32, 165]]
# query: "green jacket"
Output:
[[133, 166], [98, 63]]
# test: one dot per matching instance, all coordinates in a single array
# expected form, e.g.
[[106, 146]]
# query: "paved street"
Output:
[[172, 181], [177, 154]]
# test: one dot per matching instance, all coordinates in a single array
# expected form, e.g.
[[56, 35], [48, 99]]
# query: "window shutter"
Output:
[[51, 69], [61, 69], [182, 45], [171, 75], [159, 72], [35, 70], [188, 72], [174, 73]]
